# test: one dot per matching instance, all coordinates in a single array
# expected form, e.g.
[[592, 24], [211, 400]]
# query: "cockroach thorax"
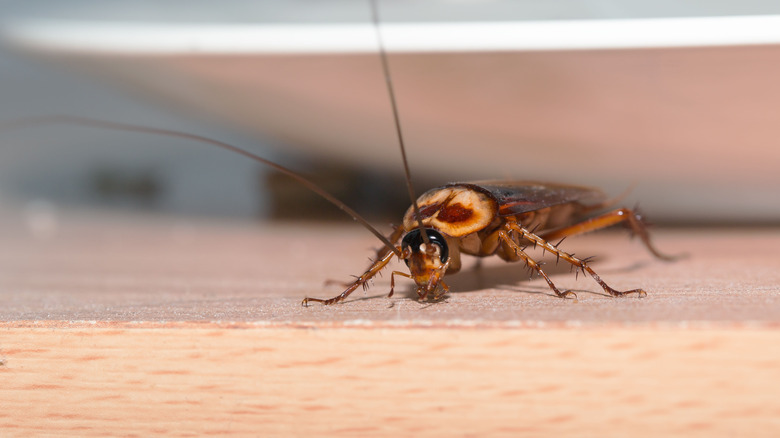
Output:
[[454, 210]]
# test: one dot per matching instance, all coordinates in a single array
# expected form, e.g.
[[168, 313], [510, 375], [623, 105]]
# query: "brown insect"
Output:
[[494, 218], [481, 219]]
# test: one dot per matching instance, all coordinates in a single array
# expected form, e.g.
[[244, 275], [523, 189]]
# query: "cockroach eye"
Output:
[[414, 239]]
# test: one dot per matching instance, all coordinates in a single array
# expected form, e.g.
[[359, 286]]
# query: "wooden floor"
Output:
[[139, 326]]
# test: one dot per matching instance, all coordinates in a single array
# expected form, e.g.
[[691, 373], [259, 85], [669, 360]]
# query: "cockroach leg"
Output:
[[633, 218], [576, 262], [444, 291], [361, 281], [392, 280], [422, 293], [506, 238]]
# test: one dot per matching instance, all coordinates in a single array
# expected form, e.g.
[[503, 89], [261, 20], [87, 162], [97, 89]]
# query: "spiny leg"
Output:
[[576, 262], [504, 237], [633, 219], [360, 281]]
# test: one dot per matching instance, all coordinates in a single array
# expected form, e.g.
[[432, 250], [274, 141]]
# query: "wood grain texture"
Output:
[[140, 326], [389, 382]]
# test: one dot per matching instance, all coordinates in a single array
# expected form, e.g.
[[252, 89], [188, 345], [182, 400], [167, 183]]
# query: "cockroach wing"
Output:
[[516, 197]]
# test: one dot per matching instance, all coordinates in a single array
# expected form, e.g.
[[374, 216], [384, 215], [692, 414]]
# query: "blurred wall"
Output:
[[694, 127]]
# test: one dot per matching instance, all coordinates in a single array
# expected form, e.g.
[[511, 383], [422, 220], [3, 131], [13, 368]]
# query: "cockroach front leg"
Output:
[[392, 281], [422, 293], [361, 281], [444, 291], [576, 262]]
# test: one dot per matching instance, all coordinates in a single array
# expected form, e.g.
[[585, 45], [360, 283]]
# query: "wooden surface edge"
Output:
[[186, 381], [397, 324]]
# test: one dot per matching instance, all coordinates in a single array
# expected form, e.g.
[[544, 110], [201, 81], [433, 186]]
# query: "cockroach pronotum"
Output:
[[482, 219]]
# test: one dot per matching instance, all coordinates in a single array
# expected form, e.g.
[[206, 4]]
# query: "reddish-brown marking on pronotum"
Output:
[[455, 213], [430, 210]]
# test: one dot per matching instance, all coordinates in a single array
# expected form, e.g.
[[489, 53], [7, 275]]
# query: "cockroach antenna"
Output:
[[396, 118], [33, 121]]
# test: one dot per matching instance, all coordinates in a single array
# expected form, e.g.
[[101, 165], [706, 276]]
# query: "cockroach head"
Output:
[[425, 252], [435, 246]]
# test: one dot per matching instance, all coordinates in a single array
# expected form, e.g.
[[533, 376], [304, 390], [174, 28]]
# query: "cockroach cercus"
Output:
[[481, 219]]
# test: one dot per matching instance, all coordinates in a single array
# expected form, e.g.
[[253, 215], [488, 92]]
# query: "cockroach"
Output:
[[482, 219], [494, 218]]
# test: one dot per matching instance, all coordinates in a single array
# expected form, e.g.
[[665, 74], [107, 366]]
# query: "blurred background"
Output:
[[679, 99]]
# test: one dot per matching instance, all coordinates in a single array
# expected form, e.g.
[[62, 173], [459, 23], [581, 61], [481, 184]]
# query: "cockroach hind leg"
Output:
[[631, 218]]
